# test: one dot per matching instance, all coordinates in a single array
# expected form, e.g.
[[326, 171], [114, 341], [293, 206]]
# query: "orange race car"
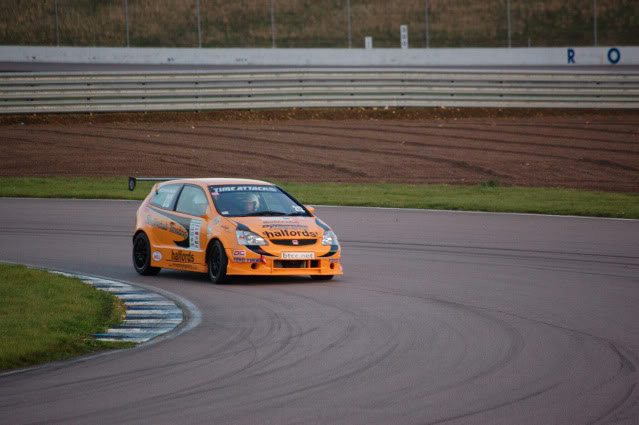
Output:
[[227, 227]]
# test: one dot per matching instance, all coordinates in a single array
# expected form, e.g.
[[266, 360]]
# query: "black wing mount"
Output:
[[134, 180]]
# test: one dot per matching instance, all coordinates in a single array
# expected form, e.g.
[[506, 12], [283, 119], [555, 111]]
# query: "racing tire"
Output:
[[322, 276], [217, 263], [142, 256]]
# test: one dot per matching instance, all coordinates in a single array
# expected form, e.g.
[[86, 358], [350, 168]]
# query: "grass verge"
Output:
[[46, 317], [483, 197]]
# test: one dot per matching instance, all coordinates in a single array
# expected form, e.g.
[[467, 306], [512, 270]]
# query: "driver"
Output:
[[249, 203]]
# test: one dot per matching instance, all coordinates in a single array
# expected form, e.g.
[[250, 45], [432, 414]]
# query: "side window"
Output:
[[192, 201], [165, 196]]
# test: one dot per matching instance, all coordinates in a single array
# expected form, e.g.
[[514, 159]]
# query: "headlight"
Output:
[[245, 237], [329, 238]]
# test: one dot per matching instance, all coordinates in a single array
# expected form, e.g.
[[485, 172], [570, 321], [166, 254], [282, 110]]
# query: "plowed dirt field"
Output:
[[596, 150]]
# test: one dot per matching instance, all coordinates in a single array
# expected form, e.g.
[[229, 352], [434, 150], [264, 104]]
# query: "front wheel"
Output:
[[217, 263], [142, 256], [322, 276]]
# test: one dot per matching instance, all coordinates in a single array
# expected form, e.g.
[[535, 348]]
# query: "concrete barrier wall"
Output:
[[328, 57]]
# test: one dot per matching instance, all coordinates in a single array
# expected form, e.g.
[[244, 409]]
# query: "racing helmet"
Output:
[[249, 202]]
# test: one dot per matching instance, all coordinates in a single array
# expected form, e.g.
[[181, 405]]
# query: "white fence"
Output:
[[568, 56]]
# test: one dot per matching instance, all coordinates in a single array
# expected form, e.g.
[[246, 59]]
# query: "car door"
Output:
[[159, 215], [190, 217]]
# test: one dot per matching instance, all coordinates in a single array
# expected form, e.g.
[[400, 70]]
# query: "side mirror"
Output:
[[310, 209]]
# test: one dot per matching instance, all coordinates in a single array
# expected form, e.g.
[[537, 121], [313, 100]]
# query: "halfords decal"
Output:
[[290, 233], [182, 257], [244, 189]]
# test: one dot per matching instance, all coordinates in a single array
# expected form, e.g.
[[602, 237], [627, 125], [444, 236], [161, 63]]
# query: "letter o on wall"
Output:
[[614, 55]]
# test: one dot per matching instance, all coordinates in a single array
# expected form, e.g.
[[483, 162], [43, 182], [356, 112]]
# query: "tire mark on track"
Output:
[[626, 261], [51, 232], [285, 348], [626, 369]]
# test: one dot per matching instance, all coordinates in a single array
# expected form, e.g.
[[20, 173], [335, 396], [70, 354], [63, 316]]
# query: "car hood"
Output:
[[282, 227]]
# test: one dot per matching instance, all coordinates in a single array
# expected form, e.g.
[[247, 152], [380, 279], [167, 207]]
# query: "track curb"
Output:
[[148, 314], [191, 317]]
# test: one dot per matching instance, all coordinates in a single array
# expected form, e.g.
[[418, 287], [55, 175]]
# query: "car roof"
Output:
[[219, 181]]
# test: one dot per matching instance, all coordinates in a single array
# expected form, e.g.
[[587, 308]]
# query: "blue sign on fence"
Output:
[[614, 56]]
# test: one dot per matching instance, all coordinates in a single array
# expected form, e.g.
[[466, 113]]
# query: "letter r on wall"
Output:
[[571, 56]]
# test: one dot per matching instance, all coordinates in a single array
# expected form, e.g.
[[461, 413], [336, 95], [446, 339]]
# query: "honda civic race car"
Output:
[[227, 227]]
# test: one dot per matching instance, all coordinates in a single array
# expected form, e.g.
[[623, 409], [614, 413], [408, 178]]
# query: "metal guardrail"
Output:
[[110, 92]]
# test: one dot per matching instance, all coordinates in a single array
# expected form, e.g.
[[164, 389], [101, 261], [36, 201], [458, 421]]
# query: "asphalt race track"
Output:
[[456, 318]]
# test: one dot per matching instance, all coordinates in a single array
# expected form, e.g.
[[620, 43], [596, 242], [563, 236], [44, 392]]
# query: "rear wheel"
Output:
[[217, 263], [142, 256], [322, 276]]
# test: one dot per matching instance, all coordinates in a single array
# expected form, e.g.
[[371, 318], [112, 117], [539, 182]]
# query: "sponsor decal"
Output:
[[182, 257], [239, 253], [277, 219], [184, 266], [285, 226], [216, 221], [179, 226], [290, 234], [298, 255], [283, 223], [177, 231], [295, 242], [156, 222], [246, 260], [333, 260], [209, 233], [157, 256], [194, 234], [243, 189]]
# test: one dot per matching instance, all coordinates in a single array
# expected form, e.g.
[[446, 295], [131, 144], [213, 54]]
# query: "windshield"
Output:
[[244, 201]]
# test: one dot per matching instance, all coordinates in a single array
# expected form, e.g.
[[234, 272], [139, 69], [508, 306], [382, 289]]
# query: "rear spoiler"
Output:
[[134, 180]]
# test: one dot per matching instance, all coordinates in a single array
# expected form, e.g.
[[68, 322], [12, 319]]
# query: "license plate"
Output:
[[298, 255]]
